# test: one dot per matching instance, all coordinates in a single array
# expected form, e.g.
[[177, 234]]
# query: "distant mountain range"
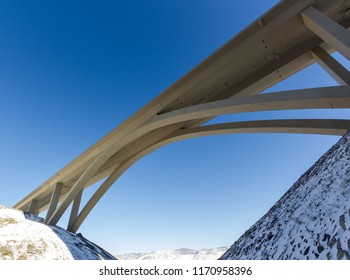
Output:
[[179, 254], [311, 221]]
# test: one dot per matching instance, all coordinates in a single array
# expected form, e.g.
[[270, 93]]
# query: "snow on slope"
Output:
[[179, 254], [311, 221], [23, 236]]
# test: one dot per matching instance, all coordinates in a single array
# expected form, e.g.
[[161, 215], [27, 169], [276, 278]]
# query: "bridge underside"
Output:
[[288, 38]]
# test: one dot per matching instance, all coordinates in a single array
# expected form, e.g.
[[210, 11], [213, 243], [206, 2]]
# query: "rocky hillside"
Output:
[[311, 221], [179, 254], [23, 236]]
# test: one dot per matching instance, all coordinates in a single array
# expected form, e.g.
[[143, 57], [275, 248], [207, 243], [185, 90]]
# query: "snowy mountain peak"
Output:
[[311, 221]]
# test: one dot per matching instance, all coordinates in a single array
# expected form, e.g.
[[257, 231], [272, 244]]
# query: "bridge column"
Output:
[[54, 201], [73, 227], [75, 210], [78, 187], [337, 71], [32, 207], [328, 30]]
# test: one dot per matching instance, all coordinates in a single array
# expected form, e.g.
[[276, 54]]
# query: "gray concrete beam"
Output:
[[298, 126], [75, 210], [315, 98], [56, 194], [337, 71], [32, 208], [328, 30]]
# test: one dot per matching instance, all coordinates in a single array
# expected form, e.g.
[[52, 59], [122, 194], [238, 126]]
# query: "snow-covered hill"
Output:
[[311, 221], [23, 236], [179, 254]]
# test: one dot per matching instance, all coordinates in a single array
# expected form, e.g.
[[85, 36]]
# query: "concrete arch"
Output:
[[312, 98], [329, 97], [315, 98], [305, 126]]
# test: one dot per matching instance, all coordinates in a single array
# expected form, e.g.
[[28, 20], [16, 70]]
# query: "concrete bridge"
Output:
[[291, 36]]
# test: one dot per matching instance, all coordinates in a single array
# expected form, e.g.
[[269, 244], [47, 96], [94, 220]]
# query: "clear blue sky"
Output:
[[71, 71]]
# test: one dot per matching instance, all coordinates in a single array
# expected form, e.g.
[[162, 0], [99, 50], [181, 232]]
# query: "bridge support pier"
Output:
[[75, 210], [78, 187], [74, 226], [54, 200], [33, 207]]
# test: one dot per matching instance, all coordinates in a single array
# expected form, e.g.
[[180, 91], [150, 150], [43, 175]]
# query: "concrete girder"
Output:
[[305, 126]]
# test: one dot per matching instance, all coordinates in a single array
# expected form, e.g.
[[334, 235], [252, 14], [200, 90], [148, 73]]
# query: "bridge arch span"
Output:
[[229, 81], [304, 126]]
